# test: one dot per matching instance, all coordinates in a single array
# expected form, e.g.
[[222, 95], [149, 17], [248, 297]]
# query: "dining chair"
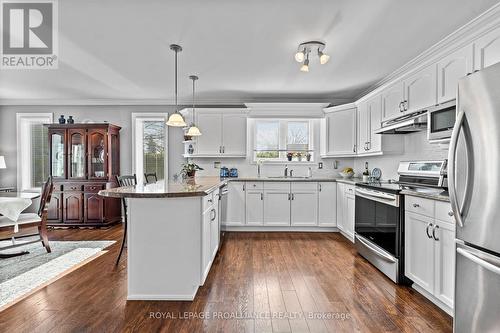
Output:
[[150, 177], [128, 180], [29, 220]]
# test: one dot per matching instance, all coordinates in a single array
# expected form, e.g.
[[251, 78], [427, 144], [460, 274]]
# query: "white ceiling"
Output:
[[242, 50]]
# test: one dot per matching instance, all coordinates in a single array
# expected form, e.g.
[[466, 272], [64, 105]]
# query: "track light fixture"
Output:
[[306, 48]]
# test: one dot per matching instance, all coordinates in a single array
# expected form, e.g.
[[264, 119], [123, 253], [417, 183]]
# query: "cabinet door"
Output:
[[374, 112], [73, 207], [210, 124], [327, 204], [93, 206], [205, 245], [97, 154], [235, 214], [420, 89], [363, 128], [450, 69], [234, 134], [349, 209], [341, 127], [304, 204], [444, 288], [277, 204], [55, 211], [419, 250], [255, 207], [487, 50], [340, 206], [391, 100], [214, 232], [57, 151], [77, 151]]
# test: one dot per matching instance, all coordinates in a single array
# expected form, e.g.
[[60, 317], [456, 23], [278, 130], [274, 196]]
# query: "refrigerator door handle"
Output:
[[481, 262]]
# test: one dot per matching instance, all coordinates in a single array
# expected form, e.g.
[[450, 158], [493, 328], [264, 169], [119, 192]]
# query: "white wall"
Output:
[[416, 147]]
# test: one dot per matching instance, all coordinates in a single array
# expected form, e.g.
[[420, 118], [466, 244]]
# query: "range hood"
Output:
[[414, 122]]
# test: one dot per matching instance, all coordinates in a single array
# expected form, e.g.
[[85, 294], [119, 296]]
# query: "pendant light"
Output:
[[176, 119], [193, 130]]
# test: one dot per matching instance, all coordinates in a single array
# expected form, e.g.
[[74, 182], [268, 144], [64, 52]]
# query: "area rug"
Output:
[[23, 275]]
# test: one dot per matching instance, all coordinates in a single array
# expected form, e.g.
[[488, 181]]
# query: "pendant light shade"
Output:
[[176, 119], [193, 130]]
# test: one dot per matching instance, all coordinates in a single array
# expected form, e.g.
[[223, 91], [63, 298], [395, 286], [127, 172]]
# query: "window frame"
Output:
[[24, 150], [283, 139], [137, 145]]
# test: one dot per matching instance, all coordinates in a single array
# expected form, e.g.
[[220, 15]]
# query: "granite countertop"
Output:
[[294, 179], [433, 195], [198, 187]]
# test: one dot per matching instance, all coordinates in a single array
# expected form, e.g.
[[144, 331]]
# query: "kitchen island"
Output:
[[172, 236]]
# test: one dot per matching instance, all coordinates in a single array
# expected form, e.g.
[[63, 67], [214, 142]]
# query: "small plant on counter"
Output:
[[189, 169], [308, 157], [299, 156], [289, 156]]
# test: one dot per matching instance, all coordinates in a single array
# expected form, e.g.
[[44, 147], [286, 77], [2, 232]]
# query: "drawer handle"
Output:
[[450, 214], [434, 233], [430, 225], [416, 205]]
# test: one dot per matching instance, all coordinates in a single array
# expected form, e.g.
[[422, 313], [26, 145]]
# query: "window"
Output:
[[150, 145], [33, 150], [283, 140]]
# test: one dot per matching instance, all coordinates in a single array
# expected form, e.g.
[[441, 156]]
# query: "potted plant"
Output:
[[308, 157], [189, 169], [289, 156], [299, 156]]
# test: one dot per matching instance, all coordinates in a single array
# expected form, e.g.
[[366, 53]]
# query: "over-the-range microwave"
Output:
[[440, 121]]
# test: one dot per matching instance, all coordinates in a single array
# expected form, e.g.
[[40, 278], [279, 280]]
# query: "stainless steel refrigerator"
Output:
[[474, 186]]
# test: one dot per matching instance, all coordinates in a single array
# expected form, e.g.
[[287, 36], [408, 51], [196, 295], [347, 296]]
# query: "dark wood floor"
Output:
[[283, 282]]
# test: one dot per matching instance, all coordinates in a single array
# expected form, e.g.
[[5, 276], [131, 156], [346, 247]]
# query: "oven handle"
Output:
[[370, 195], [375, 250]]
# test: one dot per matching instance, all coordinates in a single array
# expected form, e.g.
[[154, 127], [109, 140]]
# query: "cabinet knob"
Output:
[[450, 214], [416, 205]]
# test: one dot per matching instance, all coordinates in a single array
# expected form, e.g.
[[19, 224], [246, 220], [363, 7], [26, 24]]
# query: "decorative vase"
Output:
[[289, 157], [62, 120], [308, 157], [71, 120], [191, 174]]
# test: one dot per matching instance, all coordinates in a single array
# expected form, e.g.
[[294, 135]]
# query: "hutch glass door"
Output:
[[77, 153], [58, 154], [97, 154]]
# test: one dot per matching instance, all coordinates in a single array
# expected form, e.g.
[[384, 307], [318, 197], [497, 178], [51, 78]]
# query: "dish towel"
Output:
[[11, 208]]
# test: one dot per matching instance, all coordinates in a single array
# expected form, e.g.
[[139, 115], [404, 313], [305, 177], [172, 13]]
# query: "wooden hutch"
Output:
[[84, 159]]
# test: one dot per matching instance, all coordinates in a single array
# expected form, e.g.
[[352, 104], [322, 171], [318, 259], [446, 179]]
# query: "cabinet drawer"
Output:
[[349, 189], [93, 187], [419, 205], [254, 185], [208, 201], [444, 212], [281, 186], [304, 186], [72, 187]]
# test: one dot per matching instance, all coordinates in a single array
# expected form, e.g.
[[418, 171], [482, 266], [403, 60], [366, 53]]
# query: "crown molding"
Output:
[[341, 107], [477, 27], [295, 110]]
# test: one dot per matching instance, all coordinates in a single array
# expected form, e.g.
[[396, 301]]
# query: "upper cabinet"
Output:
[[224, 133], [450, 69], [369, 118], [487, 49], [420, 90], [339, 131], [392, 100]]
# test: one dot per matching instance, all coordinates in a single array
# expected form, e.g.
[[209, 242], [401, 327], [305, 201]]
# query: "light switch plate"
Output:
[[217, 165], [320, 165]]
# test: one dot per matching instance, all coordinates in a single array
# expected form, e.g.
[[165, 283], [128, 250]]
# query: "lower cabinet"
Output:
[[304, 204], [345, 209], [430, 250], [235, 214], [210, 235], [93, 206], [327, 204], [277, 199], [73, 207], [255, 204], [55, 211]]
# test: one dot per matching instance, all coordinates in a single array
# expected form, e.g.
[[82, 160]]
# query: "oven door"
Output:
[[377, 230], [441, 121]]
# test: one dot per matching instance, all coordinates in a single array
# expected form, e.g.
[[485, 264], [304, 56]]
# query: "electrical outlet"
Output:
[[320, 165], [217, 165], [335, 164]]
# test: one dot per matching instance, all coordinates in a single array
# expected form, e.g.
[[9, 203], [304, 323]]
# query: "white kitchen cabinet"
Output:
[[369, 119], [430, 249], [420, 90], [277, 204], [224, 133], [363, 127], [206, 253], [235, 211], [419, 257], [340, 131], [450, 69], [254, 205], [214, 228], [327, 204], [487, 50], [304, 204], [392, 98], [234, 134], [340, 206], [349, 211]]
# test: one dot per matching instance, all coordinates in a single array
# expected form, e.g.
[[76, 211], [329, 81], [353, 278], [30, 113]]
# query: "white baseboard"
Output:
[[433, 299], [139, 297], [262, 228], [346, 235]]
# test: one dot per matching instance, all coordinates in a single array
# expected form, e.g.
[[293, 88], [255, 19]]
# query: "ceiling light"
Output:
[[193, 130], [323, 58], [306, 48], [176, 119]]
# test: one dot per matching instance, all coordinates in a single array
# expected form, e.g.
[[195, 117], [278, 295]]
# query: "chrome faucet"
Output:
[[286, 170]]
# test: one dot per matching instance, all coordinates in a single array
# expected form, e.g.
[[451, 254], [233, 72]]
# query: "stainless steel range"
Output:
[[379, 216]]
